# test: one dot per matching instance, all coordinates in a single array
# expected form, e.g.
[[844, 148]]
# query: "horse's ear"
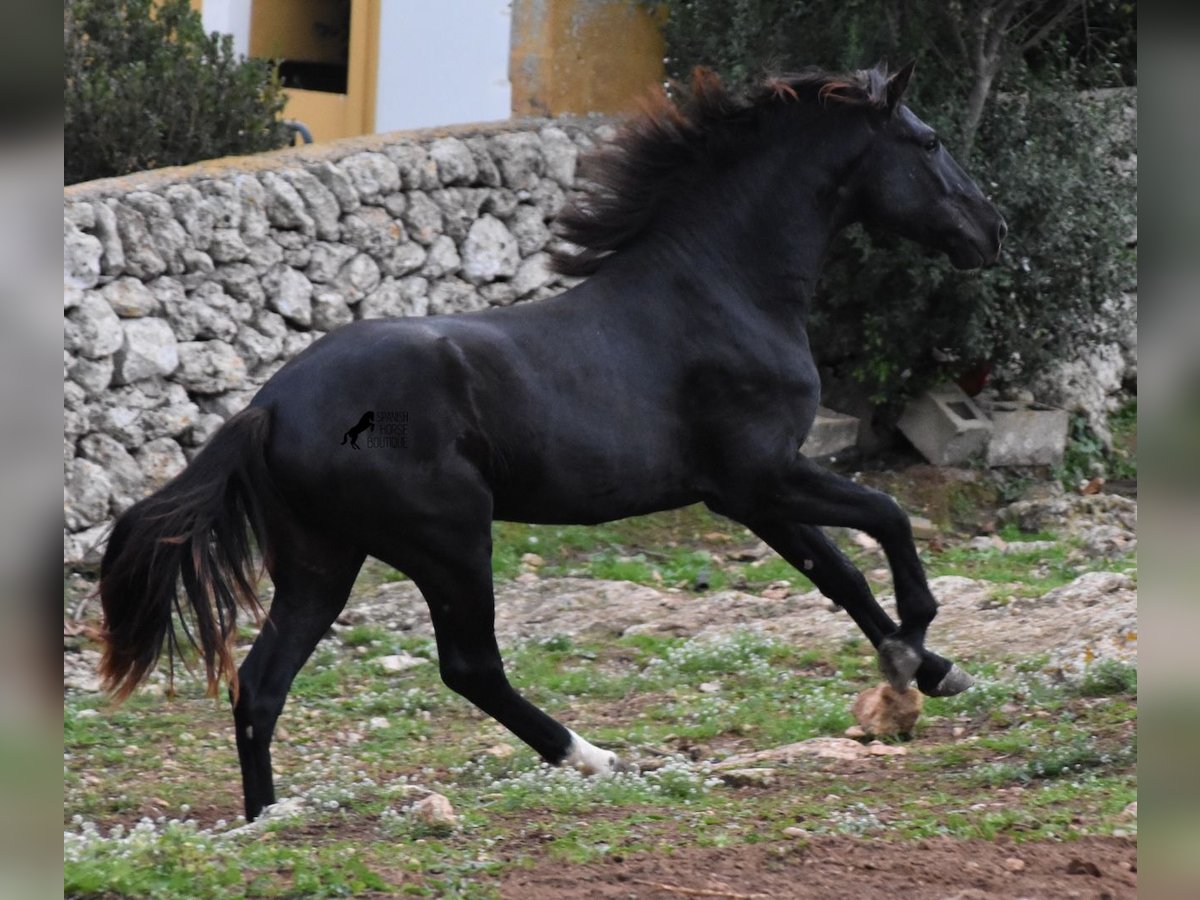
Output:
[[897, 84]]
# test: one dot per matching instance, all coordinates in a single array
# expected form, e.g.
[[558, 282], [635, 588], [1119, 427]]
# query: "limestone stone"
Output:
[[455, 164], [202, 430], [410, 256], [323, 207], [209, 367], [330, 311], [532, 273], [529, 228], [560, 154], [337, 183], [242, 281], [486, 172], [501, 203], [165, 234], [434, 811], [397, 297], [93, 375], [357, 278], [266, 254], [489, 252], [442, 259], [96, 328], [223, 201], [81, 257], [422, 218], [129, 298], [371, 230], [289, 293], [81, 215], [148, 350], [112, 257], [459, 207], [85, 494], [206, 313], [417, 170], [372, 174], [160, 460], [193, 212], [284, 206], [452, 295], [327, 260], [518, 156], [257, 348], [252, 198], [227, 245], [124, 474], [142, 259], [548, 197]]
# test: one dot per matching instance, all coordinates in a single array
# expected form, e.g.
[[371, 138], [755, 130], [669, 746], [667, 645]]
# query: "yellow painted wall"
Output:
[[581, 56]]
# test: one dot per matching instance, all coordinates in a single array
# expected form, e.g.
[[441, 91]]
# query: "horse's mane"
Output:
[[660, 148]]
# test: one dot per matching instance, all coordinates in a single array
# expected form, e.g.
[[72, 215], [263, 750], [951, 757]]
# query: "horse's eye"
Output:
[[932, 143]]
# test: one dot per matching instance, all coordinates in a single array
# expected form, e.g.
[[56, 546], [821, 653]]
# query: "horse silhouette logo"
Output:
[[367, 422]]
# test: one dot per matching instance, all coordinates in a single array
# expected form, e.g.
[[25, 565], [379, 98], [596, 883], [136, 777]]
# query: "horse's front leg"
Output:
[[807, 495], [812, 552]]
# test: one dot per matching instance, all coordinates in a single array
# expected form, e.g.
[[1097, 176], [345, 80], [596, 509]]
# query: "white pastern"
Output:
[[589, 759]]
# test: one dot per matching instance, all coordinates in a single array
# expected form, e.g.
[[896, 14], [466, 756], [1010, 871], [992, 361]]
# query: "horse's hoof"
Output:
[[898, 662], [955, 682]]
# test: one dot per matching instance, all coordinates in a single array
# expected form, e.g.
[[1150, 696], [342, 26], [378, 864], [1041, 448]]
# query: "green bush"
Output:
[[145, 87], [886, 314]]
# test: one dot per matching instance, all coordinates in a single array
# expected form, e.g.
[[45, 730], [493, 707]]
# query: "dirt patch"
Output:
[[831, 868]]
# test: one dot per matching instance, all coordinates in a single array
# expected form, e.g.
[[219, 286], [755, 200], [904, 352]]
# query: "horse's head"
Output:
[[910, 184]]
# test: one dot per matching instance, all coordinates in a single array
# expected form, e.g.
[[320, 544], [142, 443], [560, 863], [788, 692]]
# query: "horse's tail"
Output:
[[191, 531]]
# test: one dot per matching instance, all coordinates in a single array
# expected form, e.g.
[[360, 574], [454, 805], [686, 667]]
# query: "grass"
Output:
[[151, 790]]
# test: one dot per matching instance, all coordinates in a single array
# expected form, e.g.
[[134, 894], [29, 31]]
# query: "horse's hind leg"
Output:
[[312, 580], [812, 552], [453, 571]]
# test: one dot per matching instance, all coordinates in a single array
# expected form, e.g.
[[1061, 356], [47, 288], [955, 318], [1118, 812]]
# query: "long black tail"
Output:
[[192, 532]]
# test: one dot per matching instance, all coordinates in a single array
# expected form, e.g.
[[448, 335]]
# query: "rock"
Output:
[[112, 258], [529, 228], [1089, 588], [330, 311], [148, 350], [372, 174], [160, 460], [1014, 864], [84, 549], [459, 208], [434, 811], [284, 207], [409, 257], [486, 172], [202, 430], [501, 203], [193, 212], [748, 777], [124, 475], [455, 164], [252, 199], [877, 748], [422, 218], [417, 170], [532, 559], [518, 156], [357, 278], [498, 293], [85, 495], [371, 230], [241, 280], [560, 154], [922, 528], [322, 206], [442, 258], [256, 348], [326, 261], [338, 184], [209, 367], [452, 295], [79, 671], [129, 298], [81, 257], [227, 246], [489, 252], [80, 214], [289, 293], [400, 662], [532, 274], [500, 751], [547, 197], [795, 831], [142, 259], [207, 313], [93, 375], [96, 329], [822, 747], [394, 298]]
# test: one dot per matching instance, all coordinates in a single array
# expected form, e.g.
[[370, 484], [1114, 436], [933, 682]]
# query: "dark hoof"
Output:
[[898, 662], [955, 682]]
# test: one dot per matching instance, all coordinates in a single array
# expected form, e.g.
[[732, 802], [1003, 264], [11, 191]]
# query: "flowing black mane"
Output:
[[660, 148]]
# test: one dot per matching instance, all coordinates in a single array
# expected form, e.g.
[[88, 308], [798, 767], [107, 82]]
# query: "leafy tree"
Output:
[[145, 87], [1000, 81]]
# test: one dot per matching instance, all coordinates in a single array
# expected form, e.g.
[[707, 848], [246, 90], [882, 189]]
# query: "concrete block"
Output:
[[946, 426], [832, 432], [1027, 434]]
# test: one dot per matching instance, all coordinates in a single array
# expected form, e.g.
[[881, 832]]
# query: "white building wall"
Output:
[[442, 63], [229, 17]]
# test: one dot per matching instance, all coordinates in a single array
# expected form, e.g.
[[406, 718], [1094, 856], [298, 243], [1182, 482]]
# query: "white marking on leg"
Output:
[[589, 759], [250, 732]]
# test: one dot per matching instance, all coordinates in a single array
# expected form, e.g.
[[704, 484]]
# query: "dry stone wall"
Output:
[[186, 289]]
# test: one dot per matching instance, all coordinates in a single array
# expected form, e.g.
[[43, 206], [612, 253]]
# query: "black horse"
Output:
[[679, 372], [366, 422]]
